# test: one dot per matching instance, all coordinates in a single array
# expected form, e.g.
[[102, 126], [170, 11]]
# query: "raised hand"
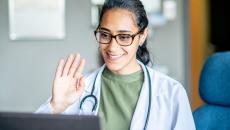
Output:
[[68, 84]]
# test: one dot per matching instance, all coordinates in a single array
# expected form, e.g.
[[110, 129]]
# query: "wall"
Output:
[[168, 46], [27, 67]]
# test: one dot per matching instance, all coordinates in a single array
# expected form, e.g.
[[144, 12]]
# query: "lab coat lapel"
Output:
[[141, 110]]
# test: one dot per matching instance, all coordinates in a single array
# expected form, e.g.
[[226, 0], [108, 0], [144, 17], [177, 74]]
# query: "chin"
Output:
[[114, 66]]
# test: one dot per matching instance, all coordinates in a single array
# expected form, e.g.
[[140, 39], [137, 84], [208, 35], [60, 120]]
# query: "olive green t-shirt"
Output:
[[119, 96]]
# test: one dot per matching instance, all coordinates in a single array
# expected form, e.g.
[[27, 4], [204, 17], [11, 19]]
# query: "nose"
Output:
[[113, 45]]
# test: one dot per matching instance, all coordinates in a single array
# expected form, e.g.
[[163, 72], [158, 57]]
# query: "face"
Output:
[[120, 59]]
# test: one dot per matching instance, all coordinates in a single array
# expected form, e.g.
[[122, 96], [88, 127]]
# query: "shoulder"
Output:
[[171, 97], [164, 85], [169, 93]]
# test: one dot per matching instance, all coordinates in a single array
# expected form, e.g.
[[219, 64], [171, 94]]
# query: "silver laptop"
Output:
[[30, 121]]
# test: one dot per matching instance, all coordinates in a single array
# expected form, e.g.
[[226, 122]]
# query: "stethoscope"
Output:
[[92, 96]]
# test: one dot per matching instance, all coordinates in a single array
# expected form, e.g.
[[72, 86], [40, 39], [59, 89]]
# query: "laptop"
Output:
[[31, 121]]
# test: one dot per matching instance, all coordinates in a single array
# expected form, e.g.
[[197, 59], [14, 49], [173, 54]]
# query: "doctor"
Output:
[[124, 92]]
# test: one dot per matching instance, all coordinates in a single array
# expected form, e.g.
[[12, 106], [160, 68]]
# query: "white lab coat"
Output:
[[170, 109]]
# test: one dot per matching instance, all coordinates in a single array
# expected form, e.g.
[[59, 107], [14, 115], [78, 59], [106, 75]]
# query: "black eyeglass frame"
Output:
[[114, 36]]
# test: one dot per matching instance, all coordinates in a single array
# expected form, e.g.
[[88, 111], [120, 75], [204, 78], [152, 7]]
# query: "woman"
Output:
[[124, 92]]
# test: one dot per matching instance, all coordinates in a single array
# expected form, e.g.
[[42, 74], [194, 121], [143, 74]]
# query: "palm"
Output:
[[66, 87], [68, 83]]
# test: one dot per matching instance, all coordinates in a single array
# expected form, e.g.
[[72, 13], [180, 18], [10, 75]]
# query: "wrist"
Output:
[[57, 108]]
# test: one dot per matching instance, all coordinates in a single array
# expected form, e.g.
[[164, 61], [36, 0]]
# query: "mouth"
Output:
[[113, 57]]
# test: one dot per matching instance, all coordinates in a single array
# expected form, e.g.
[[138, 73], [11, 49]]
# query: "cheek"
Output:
[[134, 50], [131, 51], [134, 47], [102, 48]]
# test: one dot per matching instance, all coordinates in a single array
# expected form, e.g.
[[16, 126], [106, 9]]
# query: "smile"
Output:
[[114, 56]]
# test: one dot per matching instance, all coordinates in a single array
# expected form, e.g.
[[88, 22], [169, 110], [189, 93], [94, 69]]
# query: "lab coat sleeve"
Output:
[[182, 119], [46, 108]]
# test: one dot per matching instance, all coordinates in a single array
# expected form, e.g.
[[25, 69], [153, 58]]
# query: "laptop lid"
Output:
[[31, 121]]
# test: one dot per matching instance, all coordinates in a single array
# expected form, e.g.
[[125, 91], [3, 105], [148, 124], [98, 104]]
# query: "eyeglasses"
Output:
[[103, 37]]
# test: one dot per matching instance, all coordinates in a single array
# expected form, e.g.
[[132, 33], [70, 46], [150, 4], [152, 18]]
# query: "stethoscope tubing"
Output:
[[150, 97], [91, 95]]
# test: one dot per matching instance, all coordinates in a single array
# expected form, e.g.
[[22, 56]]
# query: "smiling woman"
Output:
[[124, 92], [119, 54]]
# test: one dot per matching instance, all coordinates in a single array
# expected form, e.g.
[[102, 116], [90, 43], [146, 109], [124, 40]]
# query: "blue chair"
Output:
[[214, 88]]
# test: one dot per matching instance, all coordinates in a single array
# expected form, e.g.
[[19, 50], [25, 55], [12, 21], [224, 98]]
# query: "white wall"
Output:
[[168, 46], [27, 67]]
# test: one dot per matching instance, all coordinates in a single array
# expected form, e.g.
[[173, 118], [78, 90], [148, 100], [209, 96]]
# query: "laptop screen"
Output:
[[31, 121]]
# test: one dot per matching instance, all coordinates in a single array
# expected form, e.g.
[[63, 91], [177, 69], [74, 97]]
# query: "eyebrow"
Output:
[[120, 31]]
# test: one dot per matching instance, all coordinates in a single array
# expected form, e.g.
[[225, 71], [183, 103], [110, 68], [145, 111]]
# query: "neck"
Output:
[[128, 70]]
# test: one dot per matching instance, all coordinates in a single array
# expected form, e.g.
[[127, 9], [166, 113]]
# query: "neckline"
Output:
[[124, 78]]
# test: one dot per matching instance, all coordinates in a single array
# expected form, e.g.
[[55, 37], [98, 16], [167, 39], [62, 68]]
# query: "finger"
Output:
[[81, 85], [68, 64], [75, 64], [59, 68], [80, 68]]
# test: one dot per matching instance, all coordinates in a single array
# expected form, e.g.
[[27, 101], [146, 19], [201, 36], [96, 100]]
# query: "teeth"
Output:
[[114, 57]]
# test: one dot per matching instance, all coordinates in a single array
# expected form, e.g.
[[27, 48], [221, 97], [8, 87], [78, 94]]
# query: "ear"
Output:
[[143, 36]]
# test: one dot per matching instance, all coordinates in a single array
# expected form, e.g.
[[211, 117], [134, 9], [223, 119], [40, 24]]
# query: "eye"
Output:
[[104, 35], [124, 37]]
